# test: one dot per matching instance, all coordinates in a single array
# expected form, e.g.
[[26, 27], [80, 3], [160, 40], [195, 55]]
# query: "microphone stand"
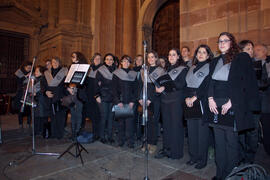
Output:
[[145, 111], [32, 79]]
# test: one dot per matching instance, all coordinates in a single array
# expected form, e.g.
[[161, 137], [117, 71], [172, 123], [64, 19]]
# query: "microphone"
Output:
[[144, 43]]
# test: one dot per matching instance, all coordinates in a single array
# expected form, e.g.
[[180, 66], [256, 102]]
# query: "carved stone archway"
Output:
[[147, 13]]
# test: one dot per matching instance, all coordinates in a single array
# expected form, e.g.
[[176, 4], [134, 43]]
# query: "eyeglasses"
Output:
[[224, 41]]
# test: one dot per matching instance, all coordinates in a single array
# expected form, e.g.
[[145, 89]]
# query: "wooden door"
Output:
[[166, 32], [13, 51]]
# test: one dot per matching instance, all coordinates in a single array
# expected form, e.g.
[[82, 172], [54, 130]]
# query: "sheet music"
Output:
[[77, 68]]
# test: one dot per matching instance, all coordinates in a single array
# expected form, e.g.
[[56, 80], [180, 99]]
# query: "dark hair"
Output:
[[233, 50], [126, 57], [166, 61], [155, 54], [57, 59], [139, 55], [242, 44], [48, 60], [179, 61], [208, 50], [41, 69], [186, 48], [26, 63], [109, 54], [94, 56], [80, 57]]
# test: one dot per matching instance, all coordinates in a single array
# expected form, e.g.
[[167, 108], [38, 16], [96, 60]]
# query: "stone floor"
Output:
[[103, 162]]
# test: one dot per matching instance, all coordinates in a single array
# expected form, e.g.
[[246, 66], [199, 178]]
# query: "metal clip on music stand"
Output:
[[33, 105], [76, 74]]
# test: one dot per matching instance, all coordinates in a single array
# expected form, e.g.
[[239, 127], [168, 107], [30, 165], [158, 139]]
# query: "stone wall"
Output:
[[202, 21], [58, 27]]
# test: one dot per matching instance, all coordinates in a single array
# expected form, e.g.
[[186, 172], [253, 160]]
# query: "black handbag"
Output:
[[195, 111], [124, 112]]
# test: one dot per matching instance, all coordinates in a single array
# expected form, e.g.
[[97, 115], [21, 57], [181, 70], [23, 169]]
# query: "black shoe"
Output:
[[131, 146], [162, 153], [121, 144], [103, 140], [111, 141], [190, 163], [200, 165], [216, 178]]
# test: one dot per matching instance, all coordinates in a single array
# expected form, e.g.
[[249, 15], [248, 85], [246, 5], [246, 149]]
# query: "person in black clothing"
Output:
[[249, 138], [138, 62], [153, 101], [262, 66], [104, 97], [125, 94], [196, 104], [53, 87], [22, 77], [40, 117], [75, 93], [90, 108], [172, 87], [232, 96]]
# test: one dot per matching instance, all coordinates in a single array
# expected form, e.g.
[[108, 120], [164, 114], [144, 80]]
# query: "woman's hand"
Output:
[[98, 100], [190, 101], [226, 107], [49, 94], [121, 105], [131, 104], [212, 105], [147, 102], [160, 89]]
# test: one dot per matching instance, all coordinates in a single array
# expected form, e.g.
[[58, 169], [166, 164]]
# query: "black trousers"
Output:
[[198, 135], [126, 130], [153, 119], [105, 128], [76, 117], [265, 119], [91, 110], [227, 151], [248, 140], [27, 112], [58, 124], [173, 130]]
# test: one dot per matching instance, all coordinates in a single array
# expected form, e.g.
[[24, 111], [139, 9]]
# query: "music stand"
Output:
[[33, 105], [76, 75]]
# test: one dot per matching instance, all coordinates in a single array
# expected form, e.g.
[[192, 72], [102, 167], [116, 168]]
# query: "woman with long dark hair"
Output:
[[196, 106], [231, 96], [22, 77], [104, 97], [172, 87], [153, 101]]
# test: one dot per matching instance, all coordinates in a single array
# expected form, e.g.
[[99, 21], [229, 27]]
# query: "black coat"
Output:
[[103, 86], [124, 91], [244, 93], [58, 93]]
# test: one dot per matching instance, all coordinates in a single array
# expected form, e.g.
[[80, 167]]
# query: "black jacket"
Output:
[[124, 91], [243, 91], [103, 86]]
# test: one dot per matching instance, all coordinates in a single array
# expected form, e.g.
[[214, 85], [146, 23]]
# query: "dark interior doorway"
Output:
[[166, 32], [14, 49]]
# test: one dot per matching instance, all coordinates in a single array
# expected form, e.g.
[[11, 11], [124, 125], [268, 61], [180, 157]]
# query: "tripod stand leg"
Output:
[[82, 148], [66, 150]]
